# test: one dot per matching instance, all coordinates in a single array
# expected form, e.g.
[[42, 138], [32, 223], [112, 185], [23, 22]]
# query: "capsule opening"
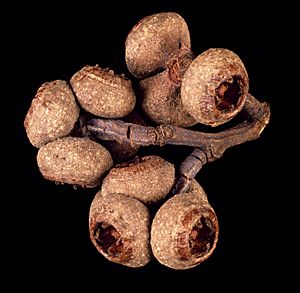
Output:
[[108, 239], [202, 237], [228, 94]]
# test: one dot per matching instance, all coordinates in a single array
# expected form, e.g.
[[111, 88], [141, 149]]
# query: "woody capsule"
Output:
[[146, 206], [177, 88]]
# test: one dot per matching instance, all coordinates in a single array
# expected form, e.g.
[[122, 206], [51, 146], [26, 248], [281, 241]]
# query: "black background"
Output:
[[253, 187]]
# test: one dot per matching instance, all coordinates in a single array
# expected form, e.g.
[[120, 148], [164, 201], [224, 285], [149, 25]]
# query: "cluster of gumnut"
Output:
[[174, 88]]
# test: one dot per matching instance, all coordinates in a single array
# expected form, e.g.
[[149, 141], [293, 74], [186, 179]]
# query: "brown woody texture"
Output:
[[119, 229], [103, 93], [52, 114], [148, 179], [184, 230], [215, 86], [77, 161], [152, 42]]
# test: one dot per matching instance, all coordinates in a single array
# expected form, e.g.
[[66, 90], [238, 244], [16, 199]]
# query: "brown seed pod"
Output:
[[103, 93], [161, 93], [184, 230], [122, 151], [78, 161], [148, 179], [52, 114], [151, 42], [119, 229], [215, 86]]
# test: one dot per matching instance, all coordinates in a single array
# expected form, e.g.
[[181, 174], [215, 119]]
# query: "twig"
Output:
[[258, 114], [213, 144], [208, 146]]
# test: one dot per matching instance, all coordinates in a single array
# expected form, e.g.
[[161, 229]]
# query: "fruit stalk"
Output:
[[213, 144]]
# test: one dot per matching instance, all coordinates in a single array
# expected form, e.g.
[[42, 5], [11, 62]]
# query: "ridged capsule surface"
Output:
[[119, 229], [148, 179], [102, 92], [52, 114], [152, 42], [161, 96], [184, 230], [77, 161], [215, 86]]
